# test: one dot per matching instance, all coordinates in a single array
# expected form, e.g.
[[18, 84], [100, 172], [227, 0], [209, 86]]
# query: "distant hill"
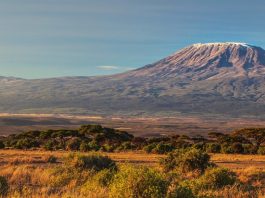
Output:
[[215, 78]]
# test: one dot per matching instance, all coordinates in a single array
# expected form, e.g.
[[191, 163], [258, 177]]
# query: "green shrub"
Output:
[[60, 145], [200, 146], [104, 177], [108, 148], [180, 191], [261, 150], [3, 186], [213, 148], [158, 139], [163, 148], [249, 149], [26, 143], [216, 178], [93, 145], [186, 160], [51, 159], [182, 144], [226, 148], [127, 146], [84, 147], [86, 129], [139, 142], [97, 185], [50, 145], [237, 147], [2, 145], [63, 175], [73, 144], [45, 134], [149, 148], [94, 162], [138, 182]]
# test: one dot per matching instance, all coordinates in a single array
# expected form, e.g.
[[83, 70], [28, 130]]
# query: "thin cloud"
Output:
[[112, 67], [108, 67]]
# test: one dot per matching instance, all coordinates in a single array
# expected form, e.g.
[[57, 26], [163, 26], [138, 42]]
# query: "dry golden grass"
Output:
[[31, 175], [238, 161], [231, 161], [40, 157]]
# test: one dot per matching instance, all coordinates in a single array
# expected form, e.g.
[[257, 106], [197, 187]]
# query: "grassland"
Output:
[[29, 173], [38, 158], [38, 169]]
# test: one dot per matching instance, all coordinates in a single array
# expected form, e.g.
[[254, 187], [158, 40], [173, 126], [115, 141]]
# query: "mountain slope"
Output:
[[213, 78]]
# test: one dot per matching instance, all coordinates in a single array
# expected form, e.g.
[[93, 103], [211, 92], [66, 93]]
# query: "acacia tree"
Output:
[[255, 135]]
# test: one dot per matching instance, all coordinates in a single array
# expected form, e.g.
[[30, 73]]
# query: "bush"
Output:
[[93, 145], [45, 134], [181, 144], [216, 178], [61, 176], [138, 182], [249, 149], [84, 147], [2, 145], [163, 148], [73, 144], [3, 186], [200, 146], [87, 129], [50, 144], [149, 148], [261, 150], [51, 159], [94, 162], [97, 185], [213, 148], [126, 146], [226, 148], [26, 143], [139, 142], [104, 177], [180, 191], [186, 160], [237, 148], [108, 148]]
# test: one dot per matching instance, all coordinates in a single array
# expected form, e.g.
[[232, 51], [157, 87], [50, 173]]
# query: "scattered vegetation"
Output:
[[186, 171], [3, 186], [138, 182], [186, 160], [97, 138], [92, 161], [216, 178], [51, 159], [95, 175]]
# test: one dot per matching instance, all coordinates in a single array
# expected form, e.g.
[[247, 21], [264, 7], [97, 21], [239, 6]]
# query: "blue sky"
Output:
[[40, 39]]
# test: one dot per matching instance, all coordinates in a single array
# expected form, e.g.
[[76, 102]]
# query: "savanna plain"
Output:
[[98, 161]]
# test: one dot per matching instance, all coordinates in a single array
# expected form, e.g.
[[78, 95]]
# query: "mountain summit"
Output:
[[209, 61], [212, 78]]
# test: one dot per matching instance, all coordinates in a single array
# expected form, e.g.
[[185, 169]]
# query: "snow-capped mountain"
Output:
[[218, 78]]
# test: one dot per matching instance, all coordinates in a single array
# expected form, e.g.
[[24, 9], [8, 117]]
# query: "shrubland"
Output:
[[184, 173], [99, 138], [185, 169]]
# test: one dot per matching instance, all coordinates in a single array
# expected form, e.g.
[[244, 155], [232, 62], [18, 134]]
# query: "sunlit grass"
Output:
[[30, 174]]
